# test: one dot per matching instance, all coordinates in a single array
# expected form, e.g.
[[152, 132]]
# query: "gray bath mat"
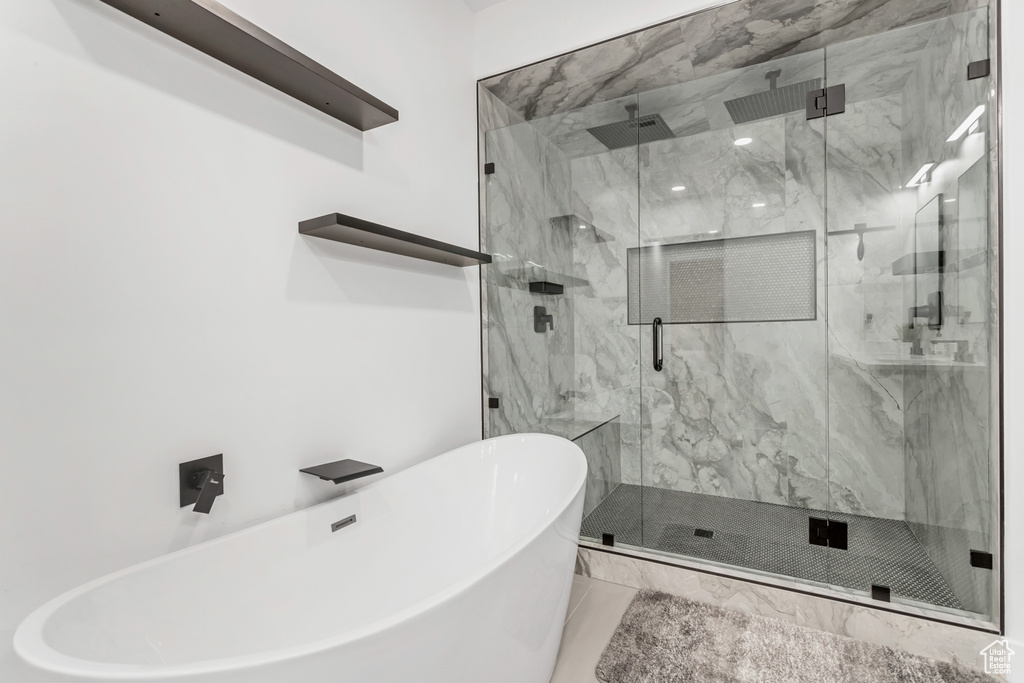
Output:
[[667, 639]]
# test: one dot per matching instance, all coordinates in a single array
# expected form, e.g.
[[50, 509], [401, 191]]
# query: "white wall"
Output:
[[1013, 330], [157, 304], [518, 32]]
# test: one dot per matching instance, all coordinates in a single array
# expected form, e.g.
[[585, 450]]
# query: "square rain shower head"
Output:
[[769, 103], [633, 131]]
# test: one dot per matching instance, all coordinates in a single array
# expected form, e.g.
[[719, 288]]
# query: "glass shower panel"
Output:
[[727, 290], [909, 290], [559, 216], [600, 143], [530, 373]]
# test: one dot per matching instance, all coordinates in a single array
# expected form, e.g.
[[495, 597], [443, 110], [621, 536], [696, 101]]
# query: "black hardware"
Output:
[[828, 102], [703, 533], [608, 539], [543, 287], [979, 69], [981, 559], [214, 29], [493, 403], [828, 533], [818, 531], [881, 593], [342, 523], [200, 482], [542, 320], [838, 534], [489, 168], [342, 470], [658, 332], [341, 228], [933, 312]]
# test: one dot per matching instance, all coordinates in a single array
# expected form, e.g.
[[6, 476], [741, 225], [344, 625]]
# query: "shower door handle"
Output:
[[659, 344]]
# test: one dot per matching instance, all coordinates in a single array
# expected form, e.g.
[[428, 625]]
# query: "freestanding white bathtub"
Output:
[[456, 571]]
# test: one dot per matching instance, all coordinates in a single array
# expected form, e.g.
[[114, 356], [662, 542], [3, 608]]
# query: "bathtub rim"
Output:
[[31, 648]]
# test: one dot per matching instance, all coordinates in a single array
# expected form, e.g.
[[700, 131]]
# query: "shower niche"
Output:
[[777, 294]]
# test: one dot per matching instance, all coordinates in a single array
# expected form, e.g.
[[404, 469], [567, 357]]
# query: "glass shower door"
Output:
[[727, 288], [911, 345]]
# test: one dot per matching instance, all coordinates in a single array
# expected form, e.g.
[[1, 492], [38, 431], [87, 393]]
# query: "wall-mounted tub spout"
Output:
[[542, 320], [341, 471]]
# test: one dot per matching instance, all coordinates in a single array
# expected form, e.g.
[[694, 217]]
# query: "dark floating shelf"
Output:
[[546, 288], [214, 29], [342, 470], [341, 228]]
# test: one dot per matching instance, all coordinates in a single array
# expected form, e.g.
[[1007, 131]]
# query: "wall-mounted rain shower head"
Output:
[[775, 101], [635, 130]]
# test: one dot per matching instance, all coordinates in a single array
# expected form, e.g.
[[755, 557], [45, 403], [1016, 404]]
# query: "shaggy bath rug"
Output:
[[667, 639]]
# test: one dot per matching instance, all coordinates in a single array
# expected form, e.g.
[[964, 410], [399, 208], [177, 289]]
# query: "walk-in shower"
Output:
[[769, 250]]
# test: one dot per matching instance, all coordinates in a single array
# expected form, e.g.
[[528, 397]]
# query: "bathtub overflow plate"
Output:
[[342, 523]]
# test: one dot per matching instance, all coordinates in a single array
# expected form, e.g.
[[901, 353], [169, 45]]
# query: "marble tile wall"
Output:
[[865, 301], [531, 373], [741, 410], [713, 42], [607, 363]]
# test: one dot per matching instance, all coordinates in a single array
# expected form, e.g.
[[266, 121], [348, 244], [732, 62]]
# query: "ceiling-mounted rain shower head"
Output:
[[633, 131], [775, 101]]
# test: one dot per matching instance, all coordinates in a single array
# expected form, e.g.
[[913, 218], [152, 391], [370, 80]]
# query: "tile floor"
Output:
[[595, 609], [773, 539]]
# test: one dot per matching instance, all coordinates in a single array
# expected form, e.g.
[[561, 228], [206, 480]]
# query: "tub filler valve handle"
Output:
[[200, 482], [542, 320], [207, 483]]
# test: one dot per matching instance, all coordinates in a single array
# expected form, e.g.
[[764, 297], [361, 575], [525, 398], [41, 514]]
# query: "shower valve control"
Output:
[[542, 320]]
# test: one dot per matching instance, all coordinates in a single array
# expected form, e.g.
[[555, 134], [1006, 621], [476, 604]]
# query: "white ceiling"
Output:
[[477, 5]]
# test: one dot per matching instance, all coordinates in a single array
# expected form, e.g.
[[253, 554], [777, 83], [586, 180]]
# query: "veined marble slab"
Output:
[[735, 36]]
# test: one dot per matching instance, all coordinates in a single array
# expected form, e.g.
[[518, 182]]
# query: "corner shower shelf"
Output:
[[572, 428], [939, 262], [342, 470], [544, 287], [341, 228], [920, 263], [214, 29]]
